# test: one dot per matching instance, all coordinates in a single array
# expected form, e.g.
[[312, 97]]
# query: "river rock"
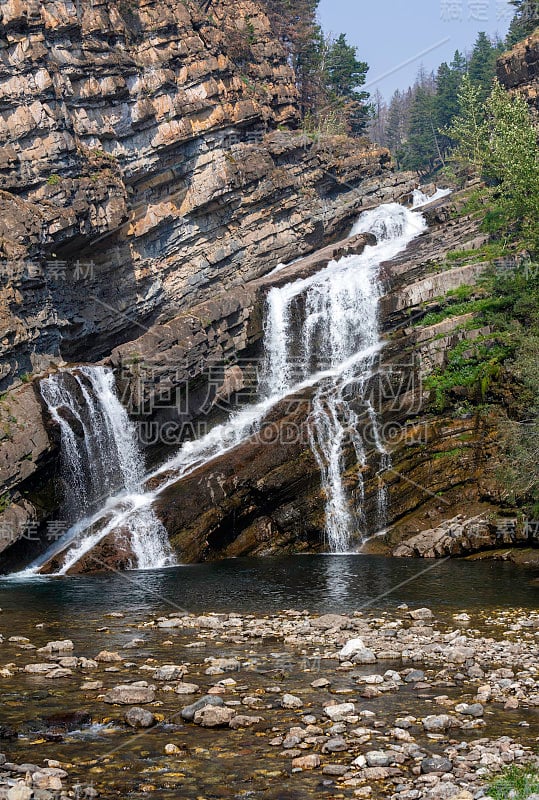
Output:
[[108, 657], [47, 779], [209, 623], [186, 688], [364, 656], [339, 712], [188, 712], [20, 792], [63, 646], [436, 764], [335, 745], [169, 672], [320, 683], [414, 675], [350, 648], [59, 673], [379, 758], [170, 623], [311, 761], [213, 716], [39, 669], [220, 665], [129, 695], [470, 709], [139, 718], [459, 655], [437, 723], [291, 701], [327, 621], [421, 613], [244, 721]]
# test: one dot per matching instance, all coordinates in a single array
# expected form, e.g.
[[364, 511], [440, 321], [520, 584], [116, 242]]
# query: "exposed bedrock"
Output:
[[518, 69], [142, 171]]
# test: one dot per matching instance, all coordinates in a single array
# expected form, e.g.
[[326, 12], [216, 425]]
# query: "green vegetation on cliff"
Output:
[[496, 141], [328, 71]]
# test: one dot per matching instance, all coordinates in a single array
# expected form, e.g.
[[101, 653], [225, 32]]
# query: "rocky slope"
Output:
[[135, 174], [265, 495]]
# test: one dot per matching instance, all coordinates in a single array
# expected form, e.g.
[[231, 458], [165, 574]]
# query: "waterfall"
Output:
[[330, 321], [100, 458], [321, 335]]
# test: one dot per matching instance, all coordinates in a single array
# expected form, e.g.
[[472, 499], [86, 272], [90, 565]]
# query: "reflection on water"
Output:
[[335, 583]]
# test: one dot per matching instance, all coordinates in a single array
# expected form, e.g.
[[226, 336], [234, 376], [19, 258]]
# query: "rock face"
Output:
[[147, 191], [143, 174], [136, 176], [179, 366], [461, 536], [264, 495], [519, 69]]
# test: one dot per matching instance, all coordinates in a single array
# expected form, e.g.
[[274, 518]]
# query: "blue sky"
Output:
[[389, 33]]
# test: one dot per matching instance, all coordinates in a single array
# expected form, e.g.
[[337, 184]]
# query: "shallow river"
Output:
[[97, 748]]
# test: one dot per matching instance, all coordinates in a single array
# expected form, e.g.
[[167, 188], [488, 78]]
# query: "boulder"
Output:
[[139, 718], [188, 712], [129, 695]]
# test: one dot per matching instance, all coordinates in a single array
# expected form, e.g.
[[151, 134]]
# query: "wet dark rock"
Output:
[[188, 712], [69, 721], [139, 718], [436, 764]]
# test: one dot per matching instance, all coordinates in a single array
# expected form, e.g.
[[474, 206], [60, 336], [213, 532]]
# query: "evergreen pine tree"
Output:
[[525, 21], [343, 76], [395, 125], [420, 148], [482, 64]]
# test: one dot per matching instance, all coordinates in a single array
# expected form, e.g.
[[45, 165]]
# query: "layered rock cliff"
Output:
[[518, 69], [150, 161], [264, 496]]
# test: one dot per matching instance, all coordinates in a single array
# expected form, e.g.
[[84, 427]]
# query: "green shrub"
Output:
[[517, 783]]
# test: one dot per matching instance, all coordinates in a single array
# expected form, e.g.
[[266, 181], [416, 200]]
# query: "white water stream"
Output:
[[100, 458], [319, 323]]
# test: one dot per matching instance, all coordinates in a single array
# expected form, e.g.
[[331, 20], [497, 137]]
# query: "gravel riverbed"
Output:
[[401, 704]]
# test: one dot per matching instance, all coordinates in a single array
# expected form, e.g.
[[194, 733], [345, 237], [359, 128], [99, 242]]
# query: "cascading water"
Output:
[[100, 457], [328, 321], [332, 352], [419, 198]]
